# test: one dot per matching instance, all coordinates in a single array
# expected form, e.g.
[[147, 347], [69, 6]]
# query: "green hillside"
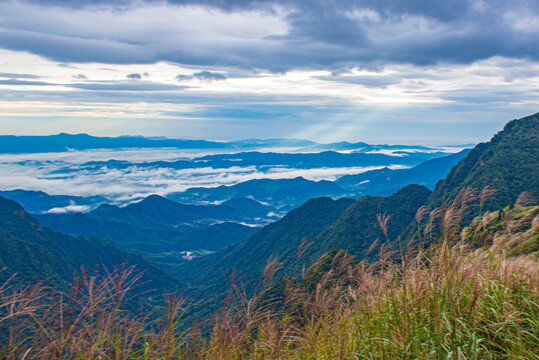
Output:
[[34, 252], [508, 162], [357, 229], [209, 276], [320, 224]]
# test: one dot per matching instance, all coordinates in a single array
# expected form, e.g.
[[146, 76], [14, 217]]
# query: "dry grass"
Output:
[[452, 303], [88, 322]]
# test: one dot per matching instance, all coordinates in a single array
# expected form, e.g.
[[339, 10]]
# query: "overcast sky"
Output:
[[392, 71]]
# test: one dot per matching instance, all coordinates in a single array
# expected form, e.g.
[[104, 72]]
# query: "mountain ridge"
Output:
[[33, 251]]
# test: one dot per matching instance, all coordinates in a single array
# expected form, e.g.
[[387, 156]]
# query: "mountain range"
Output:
[[66, 142], [157, 225], [353, 225], [33, 252]]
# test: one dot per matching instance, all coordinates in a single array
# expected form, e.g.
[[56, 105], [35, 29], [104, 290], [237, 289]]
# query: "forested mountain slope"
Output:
[[508, 162], [34, 252]]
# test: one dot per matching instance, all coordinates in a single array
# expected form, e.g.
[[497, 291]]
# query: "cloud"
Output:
[[24, 82], [134, 76], [202, 75], [19, 76], [80, 77], [70, 209], [276, 35], [122, 86], [63, 173], [370, 81], [208, 75]]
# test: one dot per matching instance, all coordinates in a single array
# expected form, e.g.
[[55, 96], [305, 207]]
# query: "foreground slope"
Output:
[[509, 162], [357, 229]]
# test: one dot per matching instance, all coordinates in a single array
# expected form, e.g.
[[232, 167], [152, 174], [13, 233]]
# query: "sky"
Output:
[[384, 71]]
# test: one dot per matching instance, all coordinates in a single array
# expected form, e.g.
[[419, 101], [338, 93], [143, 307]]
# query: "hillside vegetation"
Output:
[[508, 163], [38, 254]]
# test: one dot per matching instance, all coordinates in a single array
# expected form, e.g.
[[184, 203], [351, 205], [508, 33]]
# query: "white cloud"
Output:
[[64, 173], [69, 209]]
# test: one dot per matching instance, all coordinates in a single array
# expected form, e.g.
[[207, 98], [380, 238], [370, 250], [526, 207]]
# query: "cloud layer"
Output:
[[276, 35], [66, 174]]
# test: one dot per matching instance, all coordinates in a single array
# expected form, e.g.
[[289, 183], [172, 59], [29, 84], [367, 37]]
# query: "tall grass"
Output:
[[90, 321], [449, 301], [455, 303]]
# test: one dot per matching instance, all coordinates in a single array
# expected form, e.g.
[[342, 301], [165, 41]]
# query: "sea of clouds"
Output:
[[65, 173]]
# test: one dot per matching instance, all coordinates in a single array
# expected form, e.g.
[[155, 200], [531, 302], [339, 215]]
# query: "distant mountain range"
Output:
[[65, 142], [41, 202], [265, 161], [282, 194]]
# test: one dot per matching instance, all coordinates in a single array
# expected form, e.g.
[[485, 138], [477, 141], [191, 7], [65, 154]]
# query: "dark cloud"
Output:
[[184, 77], [24, 82], [121, 86], [76, 49], [19, 76], [371, 81], [321, 34], [134, 76], [208, 75], [203, 75], [80, 77]]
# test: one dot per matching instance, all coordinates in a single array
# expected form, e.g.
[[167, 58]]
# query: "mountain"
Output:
[[156, 224], [266, 161], [508, 162], [358, 228], [322, 223], [35, 252], [64, 142], [383, 182], [280, 193], [157, 211], [315, 159], [208, 277], [41, 202]]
